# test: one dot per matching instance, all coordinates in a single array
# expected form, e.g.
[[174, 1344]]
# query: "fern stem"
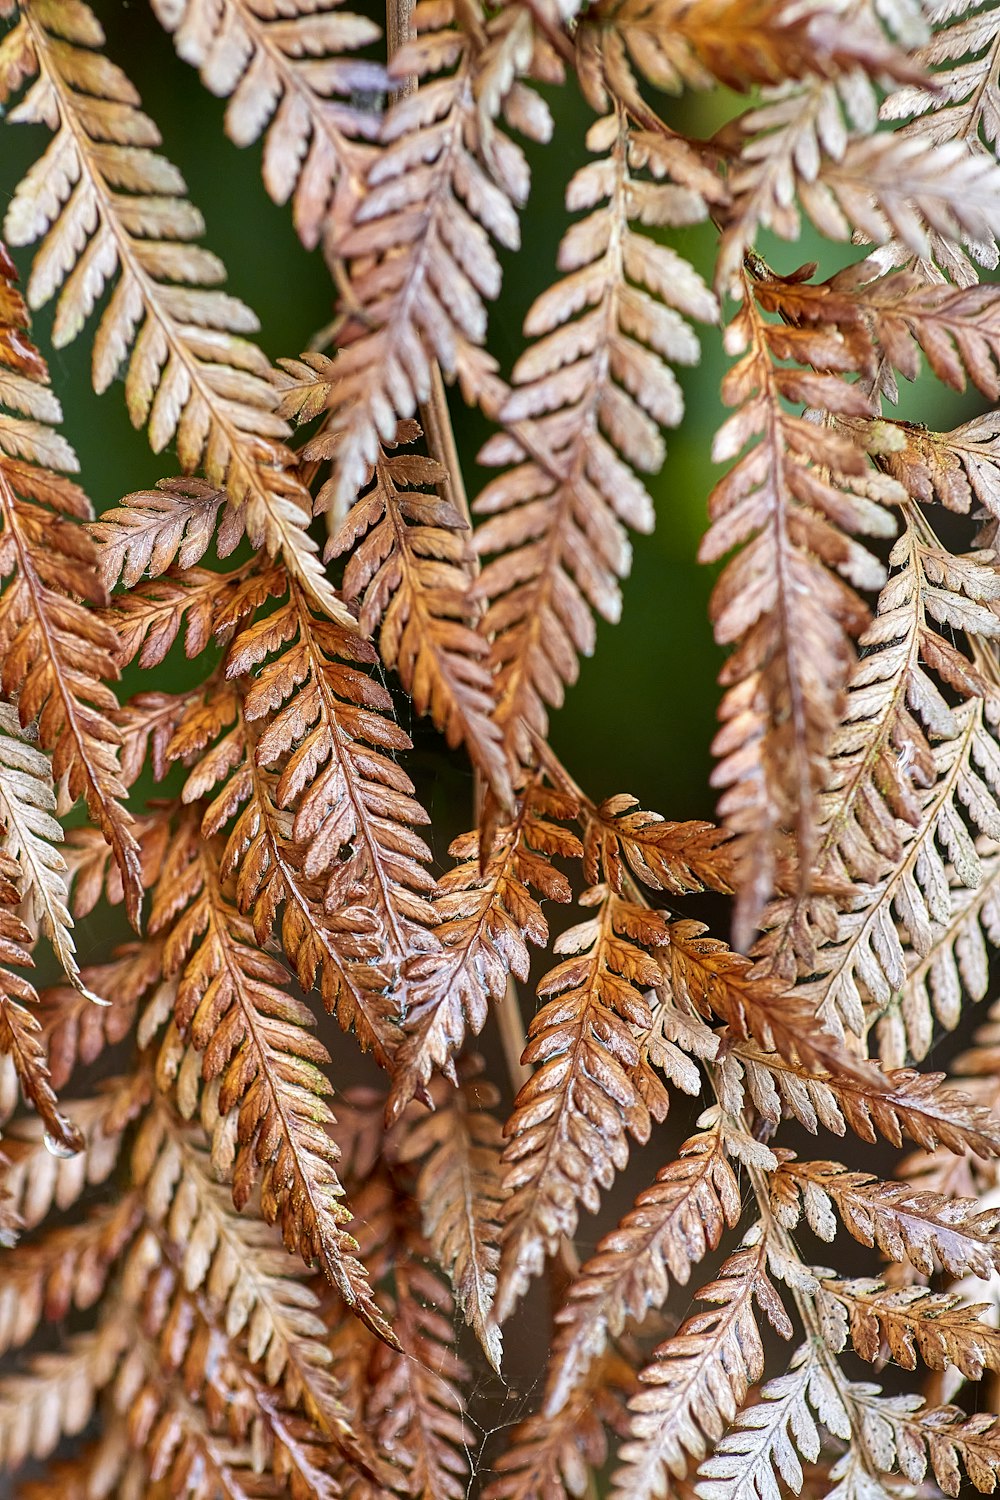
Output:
[[435, 418]]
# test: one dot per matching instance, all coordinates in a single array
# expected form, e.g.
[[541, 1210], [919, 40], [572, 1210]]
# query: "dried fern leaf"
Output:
[[35, 1178], [958, 469], [957, 329], [194, 602], [934, 198], [890, 813], [903, 1431], [786, 601], [569, 1128], [66, 1267], [245, 1425], [171, 525], [54, 1396], [93, 873], [916, 195], [704, 976], [446, 184], [870, 952], [699, 1379], [238, 1264], [416, 1400], [410, 574], [324, 724], [58, 654], [484, 917], [30, 834], [940, 1327], [952, 969], [20, 1027], [411, 1399], [290, 76], [779, 146], [459, 1192], [185, 1445], [665, 856], [550, 1457], [672, 1225], [891, 1103], [588, 399], [677, 45], [767, 1439], [232, 1002], [907, 1224], [341, 948], [108, 209], [961, 98], [107, 1461]]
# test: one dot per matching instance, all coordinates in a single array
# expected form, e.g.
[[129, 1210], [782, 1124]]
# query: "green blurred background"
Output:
[[641, 717]]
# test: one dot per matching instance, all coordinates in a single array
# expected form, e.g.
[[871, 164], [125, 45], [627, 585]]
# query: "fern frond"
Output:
[[954, 966], [939, 1326], [325, 725], [66, 1267], [677, 45], [54, 1396], [961, 98], [341, 948], [918, 197], [932, 198], [247, 1427], [699, 1378], [108, 209], [957, 329], [232, 1001], [460, 1194], [30, 836], [903, 1431], [185, 1446], [484, 917], [109, 1460], [445, 184], [20, 1027], [585, 410], [171, 525], [58, 654], [956, 468], [665, 856], [767, 1439], [783, 601], [779, 146], [237, 1264], [706, 977], [93, 873], [410, 573], [35, 1178], [417, 1405], [890, 813], [205, 606], [290, 77], [923, 1228], [411, 1398], [671, 1226], [870, 951], [891, 1104], [569, 1127]]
